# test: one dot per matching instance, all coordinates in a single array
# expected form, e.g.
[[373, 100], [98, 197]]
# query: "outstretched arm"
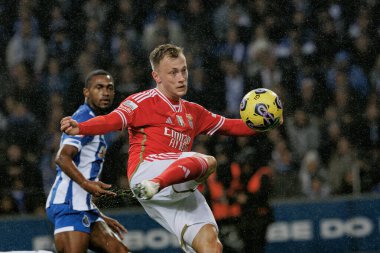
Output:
[[95, 126], [235, 127], [65, 161]]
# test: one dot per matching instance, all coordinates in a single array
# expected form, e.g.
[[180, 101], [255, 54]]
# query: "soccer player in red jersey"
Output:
[[162, 170]]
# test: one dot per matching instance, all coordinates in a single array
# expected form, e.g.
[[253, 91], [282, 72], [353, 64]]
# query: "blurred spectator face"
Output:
[[372, 112], [307, 89], [300, 118], [341, 98], [334, 130], [14, 171], [53, 66], [26, 29], [14, 153], [162, 20], [21, 76], [194, 6], [343, 146], [7, 205], [232, 36], [341, 79], [125, 6], [362, 43], [316, 184], [331, 114]]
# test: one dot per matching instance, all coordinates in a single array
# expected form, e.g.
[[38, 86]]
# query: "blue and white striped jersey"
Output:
[[89, 161]]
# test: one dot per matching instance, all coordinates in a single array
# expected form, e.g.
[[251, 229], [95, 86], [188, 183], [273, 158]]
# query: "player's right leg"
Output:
[[196, 167], [103, 239], [207, 240], [72, 241]]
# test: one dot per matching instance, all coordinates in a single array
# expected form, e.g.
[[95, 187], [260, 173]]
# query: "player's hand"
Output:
[[116, 227], [97, 188], [69, 126], [282, 119]]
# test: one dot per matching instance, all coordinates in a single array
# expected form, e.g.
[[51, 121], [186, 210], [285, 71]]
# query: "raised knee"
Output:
[[212, 163], [219, 247]]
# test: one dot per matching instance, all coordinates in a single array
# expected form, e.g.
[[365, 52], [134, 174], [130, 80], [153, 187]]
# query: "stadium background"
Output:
[[321, 57]]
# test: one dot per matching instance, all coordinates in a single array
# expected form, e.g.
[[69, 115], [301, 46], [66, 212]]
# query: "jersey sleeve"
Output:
[[207, 122], [134, 113], [127, 111], [77, 141]]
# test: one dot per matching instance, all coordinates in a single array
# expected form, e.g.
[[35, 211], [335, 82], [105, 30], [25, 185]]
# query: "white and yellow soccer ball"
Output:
[[261, 109]]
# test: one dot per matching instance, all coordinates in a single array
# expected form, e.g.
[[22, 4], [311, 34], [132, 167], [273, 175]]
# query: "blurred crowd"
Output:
[[321, 57]]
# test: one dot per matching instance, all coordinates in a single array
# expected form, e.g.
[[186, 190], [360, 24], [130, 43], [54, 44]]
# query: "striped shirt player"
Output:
[[78, 224], [89, 161]]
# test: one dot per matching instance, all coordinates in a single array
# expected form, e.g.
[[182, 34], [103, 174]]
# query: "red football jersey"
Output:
[[157, 125]]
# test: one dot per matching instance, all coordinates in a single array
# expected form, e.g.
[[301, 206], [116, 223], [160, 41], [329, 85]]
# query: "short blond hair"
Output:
[[163, 50]]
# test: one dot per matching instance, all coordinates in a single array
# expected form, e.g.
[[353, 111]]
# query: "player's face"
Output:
[[171, 76], [100, 93]]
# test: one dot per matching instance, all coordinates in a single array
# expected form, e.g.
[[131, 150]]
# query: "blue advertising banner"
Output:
[[144, 234], [339, 225], [329, 226]]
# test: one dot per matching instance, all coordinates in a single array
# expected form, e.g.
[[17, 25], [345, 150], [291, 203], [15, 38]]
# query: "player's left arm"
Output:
[[64, 160], [235, 127], [210, 123]]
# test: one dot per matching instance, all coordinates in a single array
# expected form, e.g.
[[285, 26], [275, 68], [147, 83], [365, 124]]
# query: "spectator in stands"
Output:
[[375, 77], [26, 47], [8, 205], [355, 75], [341, 164], [303, 133], [60, 47], [286, 183], [313, 177], [162, 30]]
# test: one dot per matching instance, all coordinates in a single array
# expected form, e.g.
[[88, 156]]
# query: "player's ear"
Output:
[[156, 77], [86, 92]]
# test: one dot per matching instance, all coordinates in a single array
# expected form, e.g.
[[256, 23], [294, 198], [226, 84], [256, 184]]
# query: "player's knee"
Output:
[[207, 240], [211, 245], [212, 163], [115, 245], [120, 248]]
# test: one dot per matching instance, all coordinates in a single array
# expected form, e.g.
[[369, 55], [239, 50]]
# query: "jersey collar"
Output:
[[175, 108]]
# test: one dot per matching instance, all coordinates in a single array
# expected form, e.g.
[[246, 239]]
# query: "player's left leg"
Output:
[[207, 240], [103, 239], [71, 241]]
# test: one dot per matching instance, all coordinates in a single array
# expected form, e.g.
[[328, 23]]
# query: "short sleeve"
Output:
[[207, 122]]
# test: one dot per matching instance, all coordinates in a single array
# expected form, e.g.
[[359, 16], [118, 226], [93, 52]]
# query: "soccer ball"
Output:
[[261, 109]]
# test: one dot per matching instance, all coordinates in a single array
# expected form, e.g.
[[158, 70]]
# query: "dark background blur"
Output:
[[320, 57]]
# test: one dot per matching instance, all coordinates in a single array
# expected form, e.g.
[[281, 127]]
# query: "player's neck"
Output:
[[173, 100]]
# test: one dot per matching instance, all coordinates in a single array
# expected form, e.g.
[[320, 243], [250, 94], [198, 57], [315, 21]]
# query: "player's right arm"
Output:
[[119, 119], [94, 126], [64, 160]]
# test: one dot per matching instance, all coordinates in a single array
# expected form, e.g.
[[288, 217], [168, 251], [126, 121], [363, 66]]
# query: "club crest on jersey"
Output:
[[180, 120], [190, 120], [86, 221]]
